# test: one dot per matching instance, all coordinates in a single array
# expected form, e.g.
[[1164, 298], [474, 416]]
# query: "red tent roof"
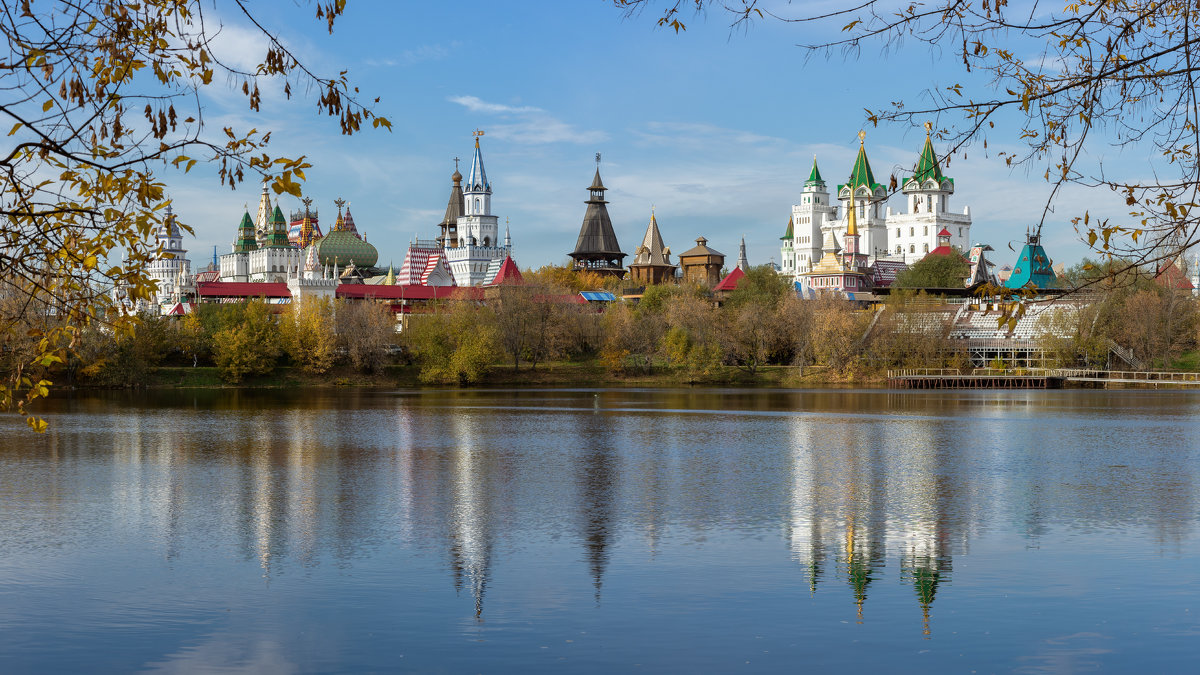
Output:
[[730, 282], [1172, 277], [944, 233], [508, 273]]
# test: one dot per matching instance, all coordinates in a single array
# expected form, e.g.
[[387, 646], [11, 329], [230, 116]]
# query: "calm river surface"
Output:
[[603, 531]]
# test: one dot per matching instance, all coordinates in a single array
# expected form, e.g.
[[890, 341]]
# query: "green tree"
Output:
[[102, 97], [935, 271], [454, 344], [250, 346]]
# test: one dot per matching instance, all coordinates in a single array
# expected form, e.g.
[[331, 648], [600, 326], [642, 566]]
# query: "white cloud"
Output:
[[411, 57], [529, 125]]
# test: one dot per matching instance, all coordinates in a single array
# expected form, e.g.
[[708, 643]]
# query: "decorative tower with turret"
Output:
[[171, 267], [927, 196], [235, 265], [652, 260], [477, 226], [597, 249], [474, 244], [810, 218], [868, 199]]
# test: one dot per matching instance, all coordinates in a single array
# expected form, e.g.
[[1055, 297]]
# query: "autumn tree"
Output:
[[455, 343], [103, 99], [365, 330], [307, 335], [1063, 85]]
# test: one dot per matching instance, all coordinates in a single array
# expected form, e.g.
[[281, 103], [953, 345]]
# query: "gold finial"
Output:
[[862, 135], [928, 127], [477, 133], [340, 203]]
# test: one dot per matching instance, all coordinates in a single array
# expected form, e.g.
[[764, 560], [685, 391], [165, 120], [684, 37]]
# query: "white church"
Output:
[[883, 234]]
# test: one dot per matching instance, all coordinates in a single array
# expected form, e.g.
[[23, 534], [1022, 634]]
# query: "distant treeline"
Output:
[[677, 330]]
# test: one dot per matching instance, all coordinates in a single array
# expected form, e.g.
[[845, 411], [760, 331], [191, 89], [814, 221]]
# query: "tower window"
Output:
[[912, 248]]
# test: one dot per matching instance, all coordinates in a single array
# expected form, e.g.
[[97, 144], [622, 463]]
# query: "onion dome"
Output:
[[342, 246]]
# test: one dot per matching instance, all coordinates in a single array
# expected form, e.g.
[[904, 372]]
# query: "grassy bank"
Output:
[[553, 374]]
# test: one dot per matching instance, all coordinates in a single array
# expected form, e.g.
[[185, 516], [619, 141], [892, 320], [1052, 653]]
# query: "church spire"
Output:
[[927, 164], [742, 263], [477, 180], [861, 174], [814, 176]]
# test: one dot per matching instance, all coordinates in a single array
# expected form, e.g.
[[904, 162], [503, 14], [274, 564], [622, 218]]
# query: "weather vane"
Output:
[[597, 160], [928, 127], [477, 133]]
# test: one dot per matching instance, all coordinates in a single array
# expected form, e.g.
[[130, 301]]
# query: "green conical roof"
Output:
[[245, 240], [788, 234], [278, 238], [861, 174], [927, 166], [814, 177]]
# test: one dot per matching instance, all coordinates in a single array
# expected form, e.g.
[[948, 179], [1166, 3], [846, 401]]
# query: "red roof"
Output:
[[730, 282], [944, 233], [1172, 277], [243, 289], [406, 292], [508, 274]]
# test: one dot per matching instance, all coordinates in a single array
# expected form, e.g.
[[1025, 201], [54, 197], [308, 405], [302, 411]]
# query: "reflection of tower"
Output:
[[471, 528], [596, 482], [808, 524]]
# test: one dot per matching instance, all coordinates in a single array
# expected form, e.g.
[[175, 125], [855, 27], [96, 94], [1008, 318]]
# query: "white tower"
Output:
[[477, 220], [927, 196], [478, 231], [171, 268], [810, 218]]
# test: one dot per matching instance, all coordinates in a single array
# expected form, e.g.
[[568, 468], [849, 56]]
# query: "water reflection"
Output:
[[858, 492]]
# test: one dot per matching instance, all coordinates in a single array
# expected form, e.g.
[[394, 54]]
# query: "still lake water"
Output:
[[603, 531]]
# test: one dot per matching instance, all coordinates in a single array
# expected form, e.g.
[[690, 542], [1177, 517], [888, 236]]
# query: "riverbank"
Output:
[[554, 374]]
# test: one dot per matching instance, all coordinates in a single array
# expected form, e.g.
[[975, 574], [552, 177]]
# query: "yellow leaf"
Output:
[[47, 105], [14, 129]]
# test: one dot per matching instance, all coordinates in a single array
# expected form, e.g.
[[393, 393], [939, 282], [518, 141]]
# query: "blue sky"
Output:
[[715, 129]]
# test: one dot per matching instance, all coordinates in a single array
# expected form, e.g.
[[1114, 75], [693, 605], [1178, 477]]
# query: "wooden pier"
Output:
[[1036, 378], [949, 378]]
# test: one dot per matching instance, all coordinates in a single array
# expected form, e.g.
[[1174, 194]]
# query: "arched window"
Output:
[[487, 241], [897, 235], [476, 205], [926, 247], [899, 250], [912, 231], [912, 248], [925, 230]]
